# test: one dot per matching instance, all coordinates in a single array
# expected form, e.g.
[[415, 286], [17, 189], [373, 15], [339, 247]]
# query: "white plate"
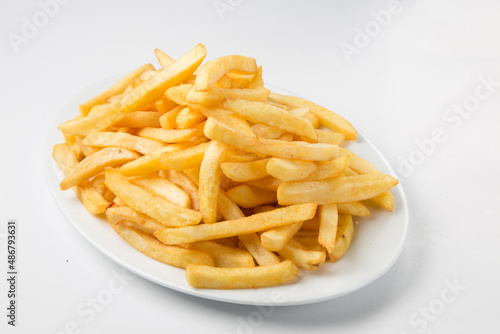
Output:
[[377, 243]]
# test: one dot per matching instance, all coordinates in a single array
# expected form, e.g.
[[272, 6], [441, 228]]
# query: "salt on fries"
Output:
[[204, 168]]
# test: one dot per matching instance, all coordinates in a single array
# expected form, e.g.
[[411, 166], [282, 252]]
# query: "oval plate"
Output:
[[377, 243]]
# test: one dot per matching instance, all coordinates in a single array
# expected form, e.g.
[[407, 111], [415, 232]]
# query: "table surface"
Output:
[[420, 79]]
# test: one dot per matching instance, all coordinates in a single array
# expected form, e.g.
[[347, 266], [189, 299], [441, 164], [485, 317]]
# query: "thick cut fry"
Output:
[[329, 137], [225, 256], [213, 96], [207, 277], [266, 183], [116, 89], [210, 180], [249, 197], [276, 238], [226, 116], [216, 130], [118, 214], [290, 170], [152, 89], [190, 157], [163, 58], [167, 120], [212, 71], [301, 256], [345, 230], [164, 188], [339, 190], [166, 136], [140, 119], [152, 205], [260, 112], [327, 118], [328, 219], [151, 163], [385, 200], [254, 223], [123, 140], [188, 117], [172, 255], [245, 171], [184, 182], [353, 209], [328, 169], [95, 163]]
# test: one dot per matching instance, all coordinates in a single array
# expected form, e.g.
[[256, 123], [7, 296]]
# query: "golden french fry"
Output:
[[276, 238], [329, 137], [385, 200], [152, 205], [225, 116], [75, 148], [249, 197], [328, 219], [301, 256], [209, 180], [85, 149], [290, 170], [163, 188], [327, 118], [245, 171], [123, 140], [167, 120], [254, 246], [163, 58], [212, 71], [127, 216], [184, 159], [140, 119], [116, 89], [172, 255], [338, 190], [258, 222], [177, 94], [267, 183], [184, 182], [167, 136], [263, 113], [353, 209], [214, 95], [345, 230], [225, 256], [328, 169], [187, 118], [200, 276], [239, 79], [257, 80], [216, 130], [267, 132], [95, 163]]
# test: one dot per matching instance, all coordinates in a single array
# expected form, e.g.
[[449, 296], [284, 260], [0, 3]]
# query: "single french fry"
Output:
[[184, 182], [260, 112], [249, 197], [245, 171], [123, 140], [254, 246], [163, 188], [212, 71], [276, 238], [210, 180], [327, 117], [184, 159], [207, 277], [152, 205], [338, 190], [133, 218], [225, 256], [216, 130], [140, 119], [290, 170], [345, 230], [353, 209], [172, 255], [116, 89], [95, 163], [258, 222], [329, 137], [328, 169], [164, 59], [301, 256], [328, 219], [385, 200], [167, 136], [187, 118], [267, 183]]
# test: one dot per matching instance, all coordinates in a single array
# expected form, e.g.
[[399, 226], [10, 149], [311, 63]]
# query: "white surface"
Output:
[[397, 90], [378, 240]]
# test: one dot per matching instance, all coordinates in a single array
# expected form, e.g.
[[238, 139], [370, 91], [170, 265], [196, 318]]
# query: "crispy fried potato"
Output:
[[328, 219], [301, 256], [163, 188], [245, 171], [290, 170], [249, 197], [123, 140], [225, 256], [345, 230]]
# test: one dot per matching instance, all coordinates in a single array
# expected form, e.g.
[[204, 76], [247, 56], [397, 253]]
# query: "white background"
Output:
[[397, 90]]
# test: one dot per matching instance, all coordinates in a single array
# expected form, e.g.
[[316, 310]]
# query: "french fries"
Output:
[[203, 168]]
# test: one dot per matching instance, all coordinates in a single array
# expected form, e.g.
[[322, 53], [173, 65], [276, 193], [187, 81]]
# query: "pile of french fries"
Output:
[[202, 167]]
